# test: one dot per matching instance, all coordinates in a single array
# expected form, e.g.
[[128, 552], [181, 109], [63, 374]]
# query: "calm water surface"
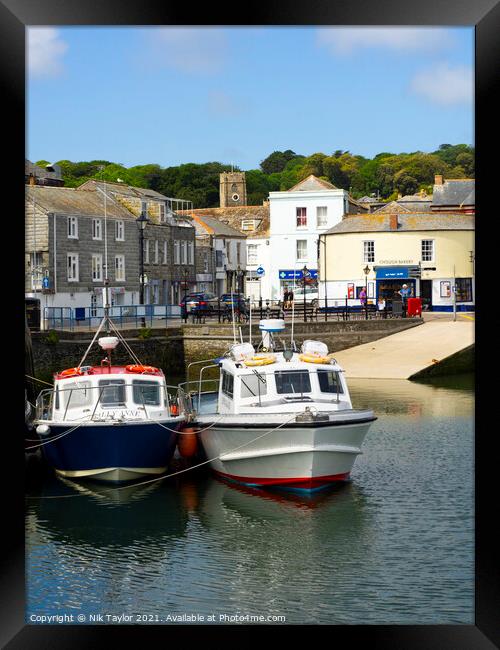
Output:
[[395, 545]]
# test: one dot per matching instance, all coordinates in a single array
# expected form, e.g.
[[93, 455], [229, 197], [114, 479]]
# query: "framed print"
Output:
[[178, 528]]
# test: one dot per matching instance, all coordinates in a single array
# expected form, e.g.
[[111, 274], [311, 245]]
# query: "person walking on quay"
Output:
[[286, 298], [362, 296]]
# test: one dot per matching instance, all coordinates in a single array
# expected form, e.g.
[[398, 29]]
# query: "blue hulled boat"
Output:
[[109, 422]]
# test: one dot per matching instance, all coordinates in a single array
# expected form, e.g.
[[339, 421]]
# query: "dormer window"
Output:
[[248, 224]]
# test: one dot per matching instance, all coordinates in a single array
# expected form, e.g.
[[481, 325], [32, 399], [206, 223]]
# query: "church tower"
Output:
[[233, 189]]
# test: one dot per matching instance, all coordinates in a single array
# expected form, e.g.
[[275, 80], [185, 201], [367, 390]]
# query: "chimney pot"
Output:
[[438, 179]]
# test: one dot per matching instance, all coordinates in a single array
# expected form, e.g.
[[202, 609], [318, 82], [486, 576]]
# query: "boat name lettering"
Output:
[[124, 413]]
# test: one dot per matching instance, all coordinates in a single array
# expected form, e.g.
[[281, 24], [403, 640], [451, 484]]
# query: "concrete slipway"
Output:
[[405, 354]]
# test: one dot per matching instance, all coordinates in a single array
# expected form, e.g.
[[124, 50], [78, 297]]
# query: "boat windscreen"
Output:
[[146, 392], [292, 381], [252, 386], [329, 381], [113, 392]]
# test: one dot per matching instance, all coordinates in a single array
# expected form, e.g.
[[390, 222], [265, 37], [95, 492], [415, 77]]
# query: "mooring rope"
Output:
[[40, 380], [182, 471]]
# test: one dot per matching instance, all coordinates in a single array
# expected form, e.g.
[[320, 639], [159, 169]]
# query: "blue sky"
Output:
[[139, 95]]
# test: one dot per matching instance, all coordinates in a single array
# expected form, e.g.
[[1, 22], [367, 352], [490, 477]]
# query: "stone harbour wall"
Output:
[[174, 348]]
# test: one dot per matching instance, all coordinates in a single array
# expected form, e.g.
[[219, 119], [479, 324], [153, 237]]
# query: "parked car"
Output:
[[312, 298], [235, 298], [197, 301]]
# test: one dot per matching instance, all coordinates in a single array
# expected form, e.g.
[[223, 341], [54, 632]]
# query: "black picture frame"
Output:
[[485, 16]]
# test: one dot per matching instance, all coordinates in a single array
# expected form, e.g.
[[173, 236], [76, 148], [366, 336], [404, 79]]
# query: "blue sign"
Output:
[[260, 271], [393, 273], [296, 274], [45, 283]]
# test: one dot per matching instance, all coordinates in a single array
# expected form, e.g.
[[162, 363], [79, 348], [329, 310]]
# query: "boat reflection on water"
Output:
[[100, 516], [224, 504]]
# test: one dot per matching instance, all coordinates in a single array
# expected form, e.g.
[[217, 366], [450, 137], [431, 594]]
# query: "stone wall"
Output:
[[173, 349]]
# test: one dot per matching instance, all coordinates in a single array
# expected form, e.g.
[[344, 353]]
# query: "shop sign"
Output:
[[295, 274], [392, 273]]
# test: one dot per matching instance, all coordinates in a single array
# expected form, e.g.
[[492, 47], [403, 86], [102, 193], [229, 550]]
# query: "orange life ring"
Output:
[[141, 369], [71, 372]]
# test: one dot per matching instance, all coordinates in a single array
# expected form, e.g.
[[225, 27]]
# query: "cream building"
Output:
[[431, 253]]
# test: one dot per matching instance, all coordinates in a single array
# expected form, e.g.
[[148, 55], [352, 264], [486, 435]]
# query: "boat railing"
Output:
[[196, 388], [175, 400]]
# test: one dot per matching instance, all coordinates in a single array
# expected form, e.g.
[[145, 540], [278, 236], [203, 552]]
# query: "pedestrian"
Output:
[[286, 295], [362, 296], [405, 292], [290, 298]]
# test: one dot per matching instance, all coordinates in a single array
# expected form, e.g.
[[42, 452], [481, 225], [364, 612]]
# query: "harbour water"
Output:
[[395, 545]]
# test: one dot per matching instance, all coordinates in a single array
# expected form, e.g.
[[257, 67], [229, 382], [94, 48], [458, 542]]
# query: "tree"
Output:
[[276, 162]]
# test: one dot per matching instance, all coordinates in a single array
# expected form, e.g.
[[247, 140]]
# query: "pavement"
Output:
[[401, 355]]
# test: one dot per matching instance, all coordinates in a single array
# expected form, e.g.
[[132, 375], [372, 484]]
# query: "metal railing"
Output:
[[134, 316], [50, 399], [123, 316], [204, 386]]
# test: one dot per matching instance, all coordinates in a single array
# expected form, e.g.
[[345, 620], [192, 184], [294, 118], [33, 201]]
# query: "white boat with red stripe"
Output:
[[280, 417]]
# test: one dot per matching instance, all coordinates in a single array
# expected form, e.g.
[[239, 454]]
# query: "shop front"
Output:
[[291, 278], [390, 279]]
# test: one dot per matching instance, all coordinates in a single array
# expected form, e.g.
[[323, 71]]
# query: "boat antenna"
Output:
[[232, 312], [105, 290], [250, 322]]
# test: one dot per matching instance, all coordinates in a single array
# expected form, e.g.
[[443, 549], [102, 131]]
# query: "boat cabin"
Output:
[[284, 381], [107, 392], [280, 385]]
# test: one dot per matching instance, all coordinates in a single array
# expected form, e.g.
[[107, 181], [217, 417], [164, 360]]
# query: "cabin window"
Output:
[[78, 394], [329, 382], [253, 386], [146, 392], [227, 384], [112, 392], [292, 381]]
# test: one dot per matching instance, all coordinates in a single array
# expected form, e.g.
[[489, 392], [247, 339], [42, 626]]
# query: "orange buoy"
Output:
[[174, 410], [141, 369], [187, 442], [71, 372]]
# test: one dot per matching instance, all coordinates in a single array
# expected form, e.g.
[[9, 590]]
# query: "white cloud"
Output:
[[220, 103], [45, 52], [346, 40], [445, 85], [193, 50]]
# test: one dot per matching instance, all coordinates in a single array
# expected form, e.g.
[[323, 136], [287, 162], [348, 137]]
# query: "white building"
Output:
[[297, 217]]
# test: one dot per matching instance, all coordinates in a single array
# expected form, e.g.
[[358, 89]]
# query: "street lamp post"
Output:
[[366, 271], [142, 221], [323, 241], [305, 274]]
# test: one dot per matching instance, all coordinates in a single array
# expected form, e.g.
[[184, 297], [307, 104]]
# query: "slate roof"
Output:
[[377, 222], [68, 200], [455, 192], [122, 188], [208, 225], [312, 183], [235, 215]]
